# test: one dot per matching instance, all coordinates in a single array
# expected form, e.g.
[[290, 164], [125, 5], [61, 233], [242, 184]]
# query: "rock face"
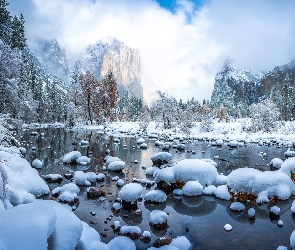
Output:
[[52, 56], [123, 61], [238, 88], [235, 87]]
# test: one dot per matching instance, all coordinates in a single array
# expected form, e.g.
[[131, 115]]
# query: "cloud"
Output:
[[182, 51]]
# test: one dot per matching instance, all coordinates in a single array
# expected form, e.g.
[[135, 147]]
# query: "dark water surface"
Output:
[[200, 219]]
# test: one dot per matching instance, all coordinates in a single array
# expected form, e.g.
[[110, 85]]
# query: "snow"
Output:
[[37, 163], [120, 183], [151, 170], [192, 188], [80, 178], [131, 192], [276, 163], [74, 155], [130, 229], [32, 224], [289, 153], [117, 224], [288, 166], [116, 165], [181, 242], [83, 160], [140, 140], [53, 177], [155, 196], [237, 206], [195, 169], [280, 223], [166, 174], [292, 239], [23, 182], [293, 207], [100, 176], [158, 217], [146, 234], [276, 210], [110, 159], [91, 176], [222, 192], [68, 192], [120, 243], [116, 206], [209, 190], [89, 235], [143, 145], [267, 184], [228, 227], [251, 212], [163, 156]]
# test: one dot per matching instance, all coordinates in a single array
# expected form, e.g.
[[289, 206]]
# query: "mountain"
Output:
[[112, 54], [51, 56], [235, 88]]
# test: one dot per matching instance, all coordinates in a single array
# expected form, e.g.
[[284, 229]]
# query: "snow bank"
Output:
[[23, 182]]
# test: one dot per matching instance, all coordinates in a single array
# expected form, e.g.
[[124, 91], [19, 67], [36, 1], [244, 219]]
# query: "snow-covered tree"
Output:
[[264, 115], [144, 118], [166, 110], [206, 118]]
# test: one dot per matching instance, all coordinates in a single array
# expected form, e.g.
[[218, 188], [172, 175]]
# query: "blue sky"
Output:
[[171, 4]]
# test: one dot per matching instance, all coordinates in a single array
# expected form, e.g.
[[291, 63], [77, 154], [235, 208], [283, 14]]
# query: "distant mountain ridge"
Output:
[[237, 88], [107, 54]]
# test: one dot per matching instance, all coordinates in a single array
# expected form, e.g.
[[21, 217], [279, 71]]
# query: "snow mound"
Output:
[[120, 243], [131, 192], [116, 165], [140, 140], [181, 242], [89, 235], [276, 163], [194, 169], [130, 230], [21, 182], [209, 190], [37, 163], [110, 159], [162, 156], [237, 206], [67, 193], [267, 184], [80, 178], [155, 196], [83, 160], [158, 217], [222, 192], [288, 166], [151, 170], [71, 156], [165, 174], [192, 188]]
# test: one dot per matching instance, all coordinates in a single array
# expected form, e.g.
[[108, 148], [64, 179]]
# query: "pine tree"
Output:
[[5, 23], [18, 39]]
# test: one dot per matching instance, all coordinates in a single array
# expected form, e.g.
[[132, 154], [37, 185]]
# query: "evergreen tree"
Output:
[[5, 23], [18, 39]]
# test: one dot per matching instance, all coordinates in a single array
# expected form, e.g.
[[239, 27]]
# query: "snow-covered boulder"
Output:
[[53, 178], [132, 232], [37, 164], [161, 158], [158, 219], [89, 236], [80, 178], [263, 185], [71, 157], [237, 206], [68, 193], [276, 163], [155, 196], [192, 188], [289, 153], [195, 169], [116, 165], [110, 159], [129, 194], [83, 160], [140, 140]]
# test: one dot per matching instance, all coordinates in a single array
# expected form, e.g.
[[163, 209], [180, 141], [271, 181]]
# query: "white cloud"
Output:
[[180, 52]]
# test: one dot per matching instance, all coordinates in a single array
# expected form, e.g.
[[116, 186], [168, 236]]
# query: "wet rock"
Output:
[[130, 206], [94, 193], [69, 175], [162, 241]]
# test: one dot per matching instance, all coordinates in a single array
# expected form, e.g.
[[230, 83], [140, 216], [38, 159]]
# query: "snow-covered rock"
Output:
[[80, 178], [157, 196], [71, 157], [192, 188], [158, 217], [116, 165], [37, 163], [83, 160], [276, 163], [131, 192], [161, 158], [237, 206]]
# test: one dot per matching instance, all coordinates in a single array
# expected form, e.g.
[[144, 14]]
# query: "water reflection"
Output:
[[200, 219]]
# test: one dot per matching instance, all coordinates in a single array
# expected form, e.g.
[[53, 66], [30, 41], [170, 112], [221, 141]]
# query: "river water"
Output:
[[200, 219]]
